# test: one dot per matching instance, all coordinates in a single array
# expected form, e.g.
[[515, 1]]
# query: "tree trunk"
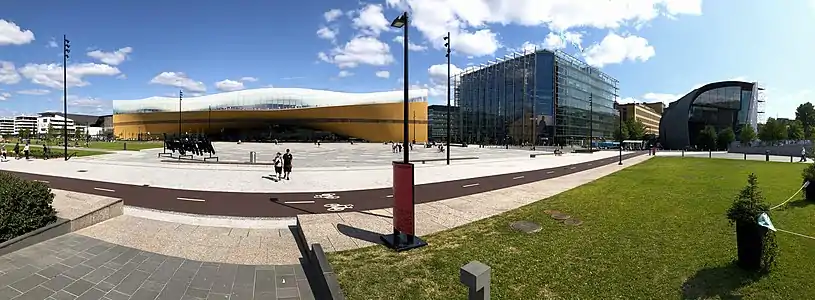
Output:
[[750, 242]]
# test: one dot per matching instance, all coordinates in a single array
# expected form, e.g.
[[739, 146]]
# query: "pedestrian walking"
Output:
[[16, 150], [46, 152], [278, 166], [26, 150], [803, 154], [287, 164], [3, 154]]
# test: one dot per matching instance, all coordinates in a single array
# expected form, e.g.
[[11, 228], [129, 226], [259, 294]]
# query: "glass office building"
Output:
[[437, 123], [541, 97]]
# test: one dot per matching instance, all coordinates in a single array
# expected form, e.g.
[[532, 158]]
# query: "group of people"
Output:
[[26, 152], [283, 165]]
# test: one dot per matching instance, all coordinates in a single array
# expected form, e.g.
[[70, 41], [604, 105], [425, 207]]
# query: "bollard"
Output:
[[745, 155], [767, 155], [476, 276], [709, 153], [125, 146], [790, 158], [253, 157], [683, 152]]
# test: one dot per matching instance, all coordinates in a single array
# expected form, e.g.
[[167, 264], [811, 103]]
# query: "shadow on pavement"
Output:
[[360, 234], [722, 282], [312, 271]]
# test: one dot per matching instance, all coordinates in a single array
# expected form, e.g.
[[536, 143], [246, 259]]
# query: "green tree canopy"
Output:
[[636, 130], [707, 138], [805, 113], [620, 133], [747, 134], [772, 131], [795, 130], [725, 137]]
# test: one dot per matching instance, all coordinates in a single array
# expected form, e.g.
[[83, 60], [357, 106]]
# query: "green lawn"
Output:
[[657, 230], [36, 151], [131, 145]]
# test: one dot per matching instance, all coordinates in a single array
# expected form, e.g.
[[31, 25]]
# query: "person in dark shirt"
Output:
[[287, 158]]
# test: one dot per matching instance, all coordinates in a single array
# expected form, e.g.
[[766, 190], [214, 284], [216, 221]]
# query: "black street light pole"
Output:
[[591, 122], [620, 112], [66, 49], [180, 96], [447, 44], [209, 120], [402, 22]]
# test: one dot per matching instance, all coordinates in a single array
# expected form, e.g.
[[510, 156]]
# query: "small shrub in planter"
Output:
[[756, 244], [809, 175], [24, 206]]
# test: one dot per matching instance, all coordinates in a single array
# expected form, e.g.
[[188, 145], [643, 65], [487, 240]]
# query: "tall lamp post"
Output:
[[66, 49], [180, 96], [403, 237], [620, 112], [591, 122], [447, 45]]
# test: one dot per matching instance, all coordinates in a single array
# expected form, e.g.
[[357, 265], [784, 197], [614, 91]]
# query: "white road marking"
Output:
[[550, 172], [43, 181], [470, 185], [389, 196], [191, 199], [572, 168], [104, 190], [298, 202], [516, 178]]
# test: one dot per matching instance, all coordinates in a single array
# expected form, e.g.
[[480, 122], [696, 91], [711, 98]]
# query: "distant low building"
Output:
[[6, 126], [645, 113]]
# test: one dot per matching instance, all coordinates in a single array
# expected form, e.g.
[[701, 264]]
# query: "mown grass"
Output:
[[656, 230], [113, 146]]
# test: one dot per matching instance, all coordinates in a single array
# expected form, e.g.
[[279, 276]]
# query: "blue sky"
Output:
[[658, 49]]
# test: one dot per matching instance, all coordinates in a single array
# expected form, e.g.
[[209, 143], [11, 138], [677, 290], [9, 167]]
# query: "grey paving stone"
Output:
[[17, 274], [46, 260], [120, 275], [104, 286], [53, 270], [20, 261], [92, 294], [132, 282], [305, 289], [288, 292], [84, 255], [73, 261], [114, 295], [299, 272], [185, 275], [173, 290], [197, 293], [6, 265], [284, 270], [99, 274], [63, 295], [215, 296], [7, 293], [165, 271], [265, 281], [224, 279], [148, 266], [78, 287], [245, 276], [126, 256], [152, 285], [191, 265], [59, 282], [139, 258], [265, 296], [204, 277], [241, 293], [37, 293], [285, 281], [144, 294], [98, 249], [101, 259], [66, 253], [78, 271]]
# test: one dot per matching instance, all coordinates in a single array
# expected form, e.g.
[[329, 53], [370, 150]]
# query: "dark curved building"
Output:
[[720, 104]]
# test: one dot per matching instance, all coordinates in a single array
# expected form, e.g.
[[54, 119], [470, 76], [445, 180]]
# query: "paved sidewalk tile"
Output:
[[74, 266]]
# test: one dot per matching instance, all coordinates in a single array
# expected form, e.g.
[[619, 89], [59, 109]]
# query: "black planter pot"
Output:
[[809, 191], [750, 242]]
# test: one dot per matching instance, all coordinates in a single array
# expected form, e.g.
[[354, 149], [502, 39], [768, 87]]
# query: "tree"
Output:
[[725, 137], [805, 113], [621, 133], [24, 133], [707, 138], [52, 133], [772, 131], [635, 129], [795, 130], [747, 134]]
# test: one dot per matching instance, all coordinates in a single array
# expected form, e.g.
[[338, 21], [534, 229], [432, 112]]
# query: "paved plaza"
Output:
[[77, 267]]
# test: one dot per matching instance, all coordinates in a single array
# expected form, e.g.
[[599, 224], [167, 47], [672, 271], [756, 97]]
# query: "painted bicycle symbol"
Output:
[[327, 196], [338, 207]]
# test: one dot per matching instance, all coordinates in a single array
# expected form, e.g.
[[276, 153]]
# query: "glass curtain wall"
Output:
[[585, 102]]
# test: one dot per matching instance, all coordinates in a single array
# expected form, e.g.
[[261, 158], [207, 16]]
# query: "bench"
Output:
[[423, 161], [207, 161], [586, 150], [533, 155]]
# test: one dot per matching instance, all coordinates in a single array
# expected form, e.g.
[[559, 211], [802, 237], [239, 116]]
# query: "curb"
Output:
[[322, 279]]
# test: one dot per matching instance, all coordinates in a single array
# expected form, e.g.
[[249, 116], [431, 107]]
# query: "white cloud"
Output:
[[383, 74], [370, 20], [8, 73], [50, 75], [360, 50], [249, 79], [332, 15], [38, 92], [52, 43], [112, 58], [4, 96], [411, 46], [615, 49], [435, 18], [179, 80], [12, 34], [121, 76], [555, 41], [227, 85], [438, 78], [345, 73], [327, 33]]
